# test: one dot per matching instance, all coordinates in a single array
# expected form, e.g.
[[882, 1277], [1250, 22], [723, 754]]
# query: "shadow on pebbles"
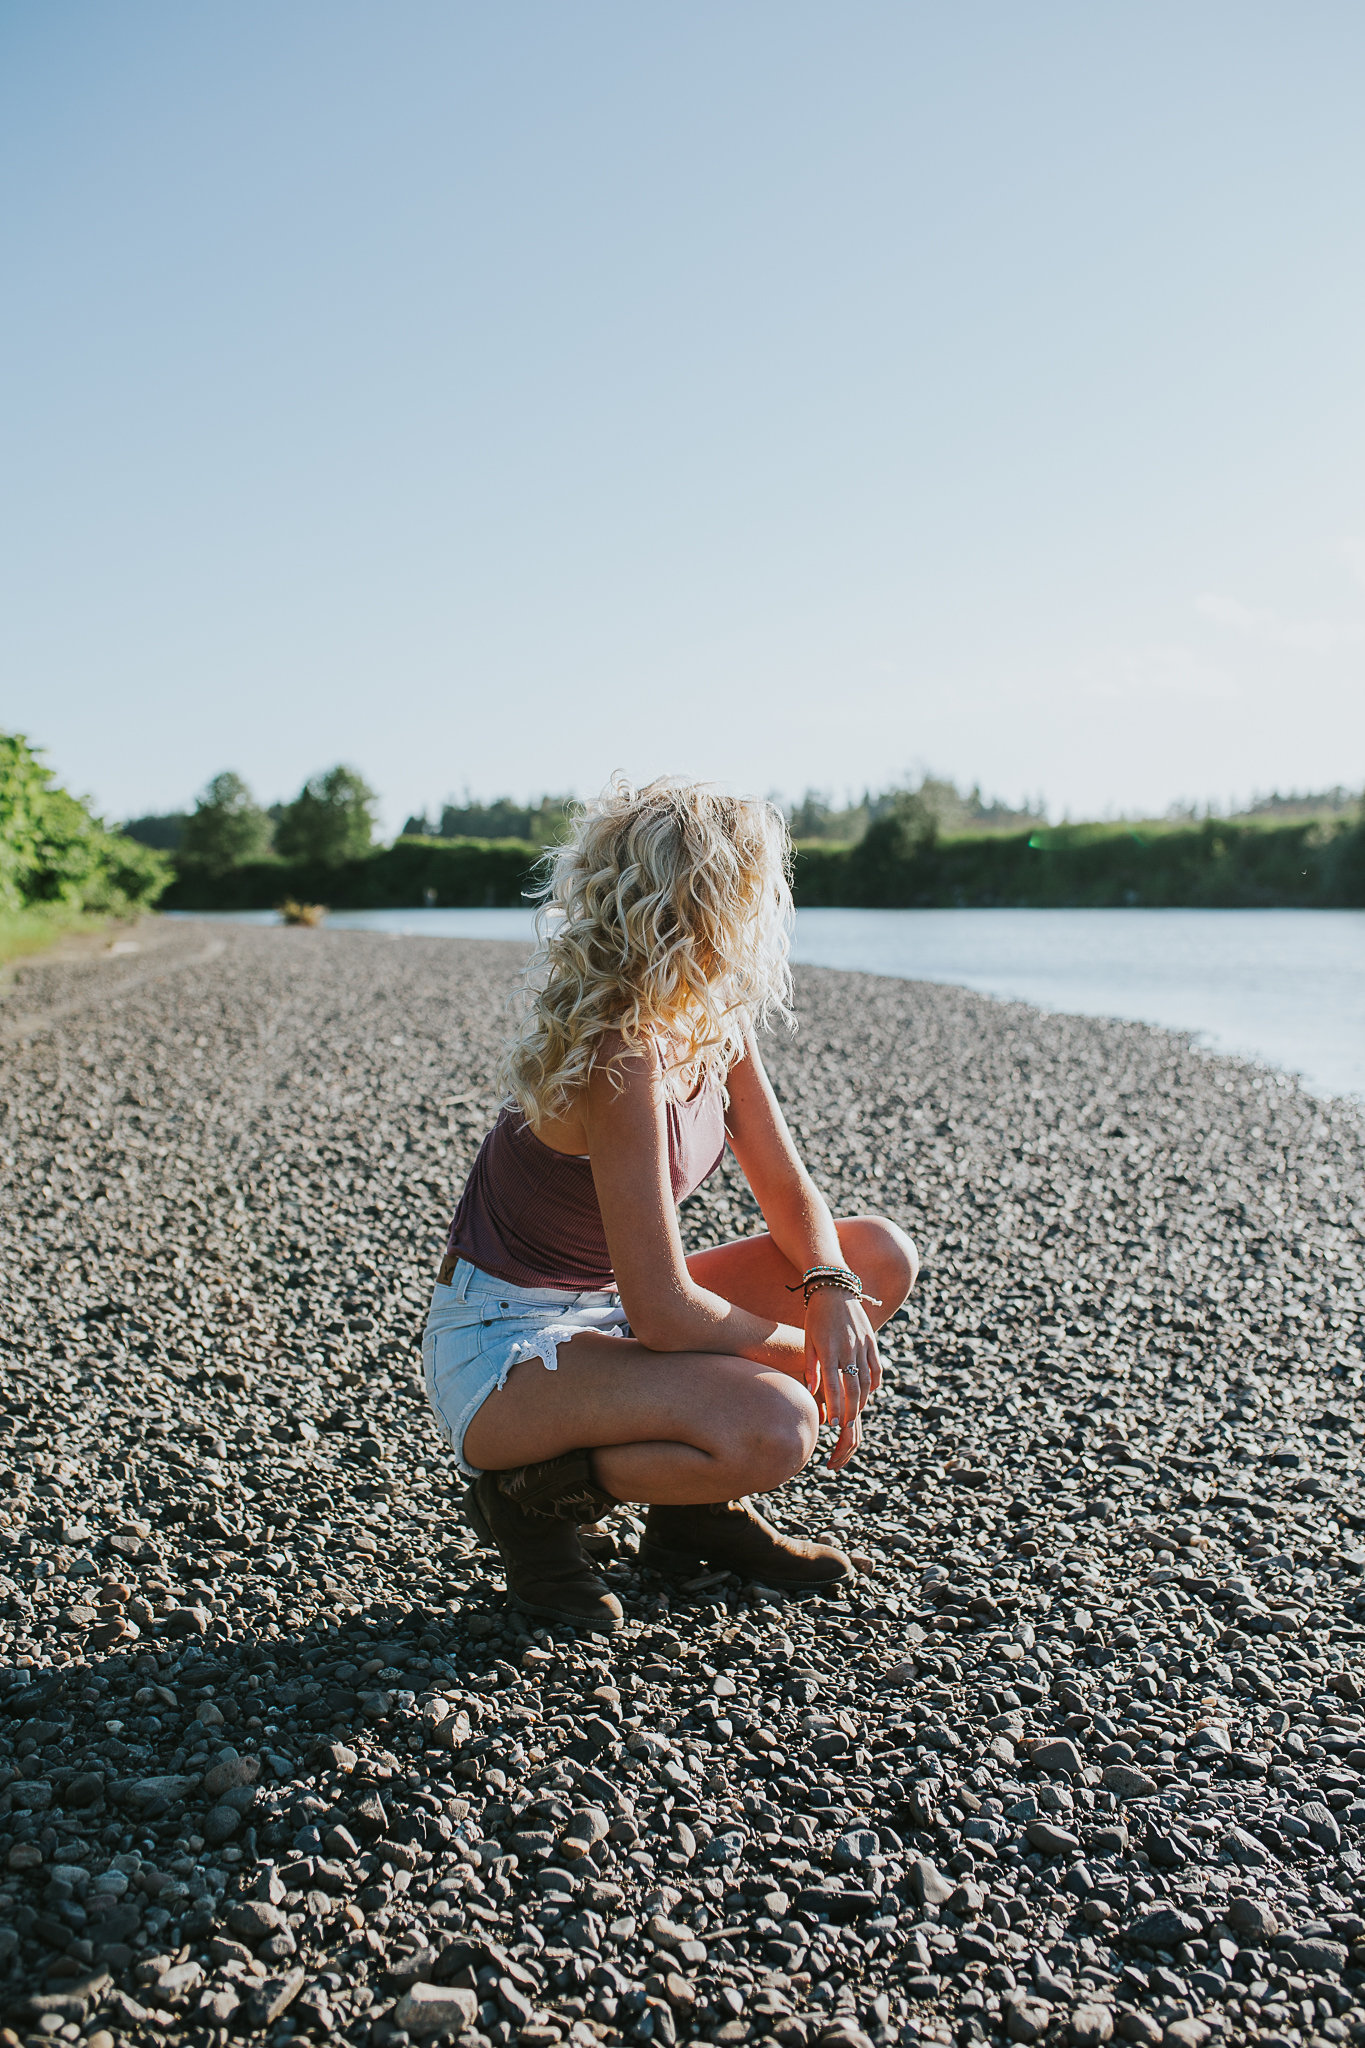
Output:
[[1078, 1756]]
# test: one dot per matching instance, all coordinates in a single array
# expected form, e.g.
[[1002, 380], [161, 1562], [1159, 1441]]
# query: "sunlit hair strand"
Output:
[[665, 915]]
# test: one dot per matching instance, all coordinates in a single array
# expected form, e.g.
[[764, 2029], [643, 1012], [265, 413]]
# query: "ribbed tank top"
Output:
[[529, 1215]]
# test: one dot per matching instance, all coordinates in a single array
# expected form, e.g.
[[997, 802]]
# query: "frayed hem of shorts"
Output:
[[545, 1346]]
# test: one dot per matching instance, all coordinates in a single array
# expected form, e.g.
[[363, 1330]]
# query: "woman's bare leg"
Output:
[[752, 1273], [668, 1427], [676, 1428]]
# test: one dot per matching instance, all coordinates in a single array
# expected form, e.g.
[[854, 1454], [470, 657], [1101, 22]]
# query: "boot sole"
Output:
[[597, 1624], [602, 1625], [676, 1564]]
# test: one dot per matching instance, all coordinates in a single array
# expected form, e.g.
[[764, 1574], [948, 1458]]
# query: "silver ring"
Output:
[[849, 1371]]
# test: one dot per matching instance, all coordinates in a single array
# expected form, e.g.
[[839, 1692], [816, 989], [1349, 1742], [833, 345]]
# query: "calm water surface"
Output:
[[1284, 986]]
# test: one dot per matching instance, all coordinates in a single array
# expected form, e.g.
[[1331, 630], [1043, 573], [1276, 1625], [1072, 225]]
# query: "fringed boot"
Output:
[[531, 1515], [732, 1535]]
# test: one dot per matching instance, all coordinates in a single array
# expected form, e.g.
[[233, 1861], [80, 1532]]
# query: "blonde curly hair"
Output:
[[667, 912]]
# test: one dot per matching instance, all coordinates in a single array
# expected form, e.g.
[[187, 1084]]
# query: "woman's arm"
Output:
[[829, 1346], [796, 1213], [627, 1135], [842, 1367]]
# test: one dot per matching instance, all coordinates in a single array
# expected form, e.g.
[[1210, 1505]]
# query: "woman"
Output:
[[575, 1358]]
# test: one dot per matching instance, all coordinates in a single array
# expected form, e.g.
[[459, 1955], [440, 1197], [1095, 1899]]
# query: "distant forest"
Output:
[[925, 843], [818, 818]]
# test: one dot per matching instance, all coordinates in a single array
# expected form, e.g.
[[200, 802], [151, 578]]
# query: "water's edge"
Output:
[[1285, 987]]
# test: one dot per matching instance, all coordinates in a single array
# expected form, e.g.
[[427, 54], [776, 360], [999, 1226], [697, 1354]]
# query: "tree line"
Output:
[[332, 819], [922, 846], [927, 844]]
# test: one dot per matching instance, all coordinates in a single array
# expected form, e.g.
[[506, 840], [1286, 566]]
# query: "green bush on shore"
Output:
[[60, 866], [1217, 864], [454, 874]]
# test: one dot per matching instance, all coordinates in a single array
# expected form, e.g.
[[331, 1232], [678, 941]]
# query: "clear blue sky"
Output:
[[784, 393]]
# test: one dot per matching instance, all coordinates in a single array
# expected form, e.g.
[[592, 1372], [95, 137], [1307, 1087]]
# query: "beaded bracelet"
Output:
[[831, 1276], [842, 1277]]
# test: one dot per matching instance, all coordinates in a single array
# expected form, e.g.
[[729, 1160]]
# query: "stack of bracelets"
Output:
[[842, 1277]]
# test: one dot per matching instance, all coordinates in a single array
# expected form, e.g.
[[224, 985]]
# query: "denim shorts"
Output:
[[478, 1328]]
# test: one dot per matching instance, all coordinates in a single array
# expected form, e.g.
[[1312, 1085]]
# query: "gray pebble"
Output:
[[1253, 1919], [1128, 1782], [1051, 1840], [1165, 1927], [436, 2009], [1059, 1756], [860, 1846]]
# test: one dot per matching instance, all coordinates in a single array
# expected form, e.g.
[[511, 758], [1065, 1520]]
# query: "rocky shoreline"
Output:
[[1079, 1755]]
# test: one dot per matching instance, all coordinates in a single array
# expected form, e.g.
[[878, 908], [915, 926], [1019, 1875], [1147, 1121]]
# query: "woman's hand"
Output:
[[843, 1370]]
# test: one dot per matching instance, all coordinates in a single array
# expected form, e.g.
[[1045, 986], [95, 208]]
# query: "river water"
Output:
[[1283, 986]]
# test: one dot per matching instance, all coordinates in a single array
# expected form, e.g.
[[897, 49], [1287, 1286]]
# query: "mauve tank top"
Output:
[[529, 1215]]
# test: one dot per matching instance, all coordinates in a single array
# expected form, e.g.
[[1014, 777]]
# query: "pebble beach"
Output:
[[1079, 1756]]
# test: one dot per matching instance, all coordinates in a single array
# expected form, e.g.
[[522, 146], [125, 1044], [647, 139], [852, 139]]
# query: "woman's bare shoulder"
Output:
[[625, 1061], [625, 1090]]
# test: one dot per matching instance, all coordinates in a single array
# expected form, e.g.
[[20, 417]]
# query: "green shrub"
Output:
[[1219, 864], [452, 873], [56, 855]]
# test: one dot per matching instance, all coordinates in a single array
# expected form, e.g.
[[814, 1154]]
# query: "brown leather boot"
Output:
[[733, 1535], [531, 1515]]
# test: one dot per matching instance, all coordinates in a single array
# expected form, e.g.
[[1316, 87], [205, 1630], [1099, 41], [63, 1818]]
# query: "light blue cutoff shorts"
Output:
[[478, 1328]]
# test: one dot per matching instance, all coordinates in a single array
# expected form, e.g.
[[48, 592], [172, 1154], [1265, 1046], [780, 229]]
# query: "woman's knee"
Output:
[[779, 1435], [884, 1255]]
